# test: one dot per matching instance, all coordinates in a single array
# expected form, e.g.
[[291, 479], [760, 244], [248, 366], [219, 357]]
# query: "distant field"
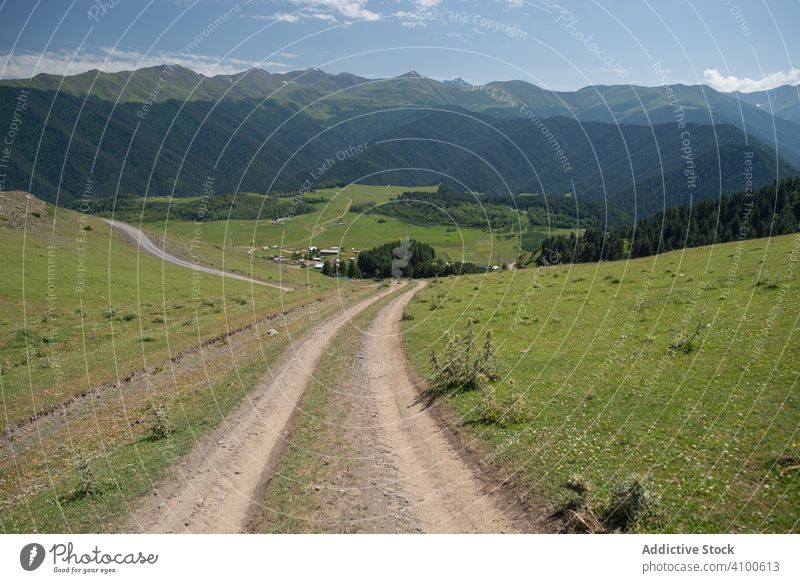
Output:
[[715, 430], [332, 225]]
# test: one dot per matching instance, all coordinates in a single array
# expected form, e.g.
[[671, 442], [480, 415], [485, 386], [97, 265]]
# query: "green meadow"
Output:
[[680, 369], [81, 307], [331, 224]]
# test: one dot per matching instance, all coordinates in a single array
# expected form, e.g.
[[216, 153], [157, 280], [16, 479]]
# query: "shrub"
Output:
[[683, 342], [464, 365], [128, 317], [160, 426], [631, 503], [511, 411], [578, 511], [87, 481]]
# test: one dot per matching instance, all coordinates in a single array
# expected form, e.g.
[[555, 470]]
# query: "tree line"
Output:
[[768, 211], [589, 246], [446, 207], [407, 258], [208, 208]]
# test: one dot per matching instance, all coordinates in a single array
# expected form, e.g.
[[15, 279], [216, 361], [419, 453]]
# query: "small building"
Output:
[[330, 251]]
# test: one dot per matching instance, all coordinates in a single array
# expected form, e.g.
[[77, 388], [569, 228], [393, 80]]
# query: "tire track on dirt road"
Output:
[[219, 485], [443, 491]]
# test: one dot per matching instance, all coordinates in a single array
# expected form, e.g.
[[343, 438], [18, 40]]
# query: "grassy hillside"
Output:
[[75, 314], [80, 308], [597, 379]]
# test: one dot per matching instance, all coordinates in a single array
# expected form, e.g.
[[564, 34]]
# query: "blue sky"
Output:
[[729, 44]]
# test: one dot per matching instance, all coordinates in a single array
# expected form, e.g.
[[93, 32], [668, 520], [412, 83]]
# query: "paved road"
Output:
[[140, 239]]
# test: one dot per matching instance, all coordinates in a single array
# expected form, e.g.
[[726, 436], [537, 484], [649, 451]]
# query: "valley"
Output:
[[397, 305]]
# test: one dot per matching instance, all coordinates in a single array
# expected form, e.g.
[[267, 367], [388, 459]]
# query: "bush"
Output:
[[463, 365], [631, 503], [160, 426], [683, 342], [511, 411], [87, 481], [578, 512]]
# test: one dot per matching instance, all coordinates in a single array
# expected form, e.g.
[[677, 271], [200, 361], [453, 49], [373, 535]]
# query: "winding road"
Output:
[[137, 237], [220, 485]]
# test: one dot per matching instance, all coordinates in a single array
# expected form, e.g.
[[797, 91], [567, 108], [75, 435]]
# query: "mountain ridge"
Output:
[[263, 131]]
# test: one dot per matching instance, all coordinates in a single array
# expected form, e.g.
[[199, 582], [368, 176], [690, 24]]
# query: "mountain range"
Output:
[[164, 130]]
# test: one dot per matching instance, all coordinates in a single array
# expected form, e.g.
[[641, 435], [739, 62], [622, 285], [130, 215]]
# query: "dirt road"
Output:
[[439, 490], [218, 486], [140, 239], [368, 456]]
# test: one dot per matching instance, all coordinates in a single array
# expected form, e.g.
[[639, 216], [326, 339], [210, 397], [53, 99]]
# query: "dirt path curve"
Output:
[[137, 237], [219, 485], [444, 492]]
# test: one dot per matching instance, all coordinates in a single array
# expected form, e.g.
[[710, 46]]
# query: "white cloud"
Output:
[[310, 14], [26, 64], [284, 16], [720, 82], [426, 4], [350, 9]]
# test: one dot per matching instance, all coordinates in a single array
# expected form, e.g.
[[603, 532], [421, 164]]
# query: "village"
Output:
[[306, 258]]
